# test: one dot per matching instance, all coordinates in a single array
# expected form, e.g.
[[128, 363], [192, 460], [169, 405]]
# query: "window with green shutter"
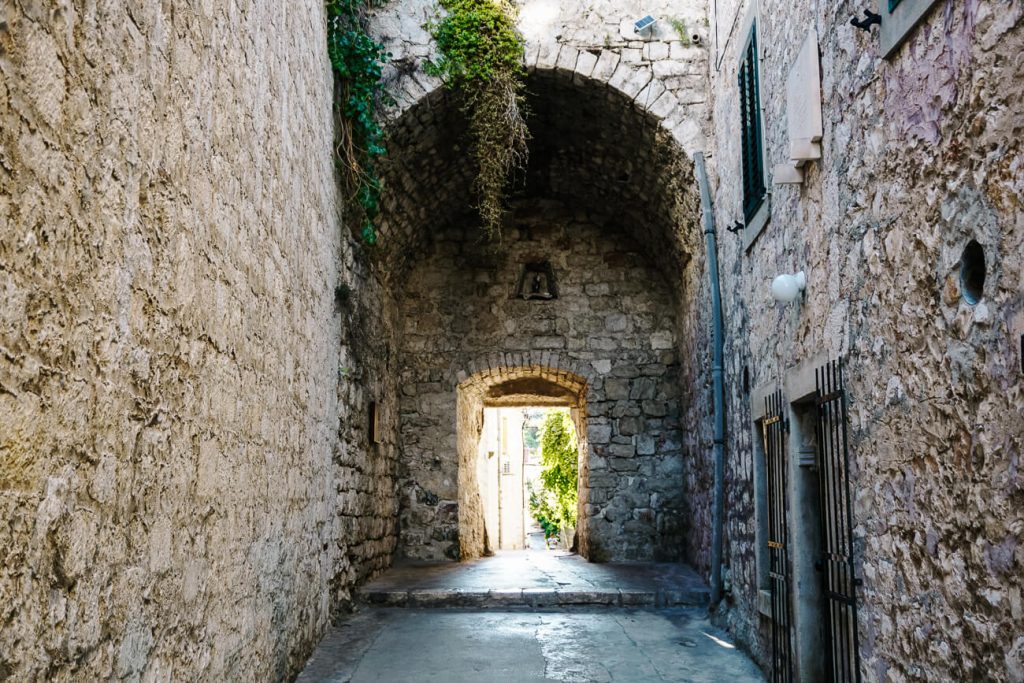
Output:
[[754, 189], [899, 18]]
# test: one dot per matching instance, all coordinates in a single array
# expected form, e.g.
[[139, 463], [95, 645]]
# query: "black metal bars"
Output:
[[839, 583], [775, 428]]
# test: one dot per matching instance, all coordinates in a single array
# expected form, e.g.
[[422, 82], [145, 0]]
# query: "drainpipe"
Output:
[[718, 506]]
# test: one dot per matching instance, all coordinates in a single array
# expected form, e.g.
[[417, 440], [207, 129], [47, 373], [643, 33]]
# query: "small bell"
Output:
[[537, 282]]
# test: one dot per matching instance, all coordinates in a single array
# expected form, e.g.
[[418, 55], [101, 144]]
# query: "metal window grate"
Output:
[[838, 579], [775, 429]]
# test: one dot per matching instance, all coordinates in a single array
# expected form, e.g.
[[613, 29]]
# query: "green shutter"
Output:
[[754, 189]]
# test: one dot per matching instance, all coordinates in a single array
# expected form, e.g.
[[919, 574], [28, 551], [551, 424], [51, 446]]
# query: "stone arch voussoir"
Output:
[[644, 85], [496, 369]]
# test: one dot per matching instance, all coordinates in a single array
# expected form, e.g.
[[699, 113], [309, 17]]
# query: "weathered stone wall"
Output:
[[662, 69], [614, 313], [921, 153], [365, 467], [169, 342]]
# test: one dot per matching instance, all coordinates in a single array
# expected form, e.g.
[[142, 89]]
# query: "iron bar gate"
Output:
[[775, 429], [839, 583]]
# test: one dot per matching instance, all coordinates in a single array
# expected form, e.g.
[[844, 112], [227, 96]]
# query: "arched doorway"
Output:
[[526, 386]]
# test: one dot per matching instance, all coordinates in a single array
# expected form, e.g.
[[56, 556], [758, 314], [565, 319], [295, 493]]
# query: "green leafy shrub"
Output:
[[359, 62], [542, 507], [554, 505], [481, 58]]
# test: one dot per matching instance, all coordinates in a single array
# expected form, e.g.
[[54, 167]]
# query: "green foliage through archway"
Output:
[[554, 503]]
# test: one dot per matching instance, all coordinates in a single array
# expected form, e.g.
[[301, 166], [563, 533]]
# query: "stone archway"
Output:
[[613, 324], [514, 385], [610, 204]]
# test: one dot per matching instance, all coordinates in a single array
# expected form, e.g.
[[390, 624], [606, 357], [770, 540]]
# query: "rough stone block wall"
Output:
[[365, 466], [921, 153], [169, 240], [615, 313]]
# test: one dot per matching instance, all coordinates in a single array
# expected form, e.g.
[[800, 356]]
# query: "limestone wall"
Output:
[[921, 153], [169, 340], [662, 69], [614, 317], [365, 515]]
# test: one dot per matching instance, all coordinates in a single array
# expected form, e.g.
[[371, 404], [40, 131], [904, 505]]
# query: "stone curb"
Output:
[[533, 597]]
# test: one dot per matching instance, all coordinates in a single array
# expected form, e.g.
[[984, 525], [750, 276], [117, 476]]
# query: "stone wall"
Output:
[[614, 315], [365, 466], [921, 153], [169, 342], [663, 69]]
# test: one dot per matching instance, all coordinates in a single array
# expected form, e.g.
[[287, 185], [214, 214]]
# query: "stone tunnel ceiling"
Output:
[[530, 391], [591, 146]]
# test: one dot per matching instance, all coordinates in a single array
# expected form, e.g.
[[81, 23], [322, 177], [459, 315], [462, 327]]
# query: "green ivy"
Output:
[[359, 62], [481, 57]]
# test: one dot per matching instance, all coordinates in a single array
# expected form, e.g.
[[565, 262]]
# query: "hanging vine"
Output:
[[481, 57], [359, 61]]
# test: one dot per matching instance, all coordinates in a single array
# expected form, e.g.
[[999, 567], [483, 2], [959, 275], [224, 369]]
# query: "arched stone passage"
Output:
[[512, 385], [609, 203], [605, 139]]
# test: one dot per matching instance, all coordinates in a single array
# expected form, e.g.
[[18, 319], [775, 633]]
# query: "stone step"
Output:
[[533, 597]]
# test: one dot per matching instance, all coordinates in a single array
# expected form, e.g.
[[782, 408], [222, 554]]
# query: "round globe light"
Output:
[[786, 288]]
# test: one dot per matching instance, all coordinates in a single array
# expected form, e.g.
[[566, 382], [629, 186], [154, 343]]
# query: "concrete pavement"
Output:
[[529, 616], [388, 645]]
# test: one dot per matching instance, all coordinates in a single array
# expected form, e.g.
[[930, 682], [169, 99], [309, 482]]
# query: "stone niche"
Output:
[[612, 327]]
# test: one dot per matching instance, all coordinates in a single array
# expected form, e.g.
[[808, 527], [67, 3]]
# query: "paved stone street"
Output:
[[536, 579], [531, 616], [591, 645]]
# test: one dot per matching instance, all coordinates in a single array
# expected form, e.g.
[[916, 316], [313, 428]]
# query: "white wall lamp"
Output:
[[787, 288]]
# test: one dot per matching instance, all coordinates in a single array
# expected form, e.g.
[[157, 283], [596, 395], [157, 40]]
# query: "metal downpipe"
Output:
[[717, 372]]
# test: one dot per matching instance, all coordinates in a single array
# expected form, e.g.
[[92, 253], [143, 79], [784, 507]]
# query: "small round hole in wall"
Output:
[[972, 272]]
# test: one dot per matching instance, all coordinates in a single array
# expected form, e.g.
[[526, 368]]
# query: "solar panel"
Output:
[[646, 22]]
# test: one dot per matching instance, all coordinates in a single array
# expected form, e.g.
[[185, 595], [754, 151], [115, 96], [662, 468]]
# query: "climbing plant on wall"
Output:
[[481, 57], [359, 62]]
